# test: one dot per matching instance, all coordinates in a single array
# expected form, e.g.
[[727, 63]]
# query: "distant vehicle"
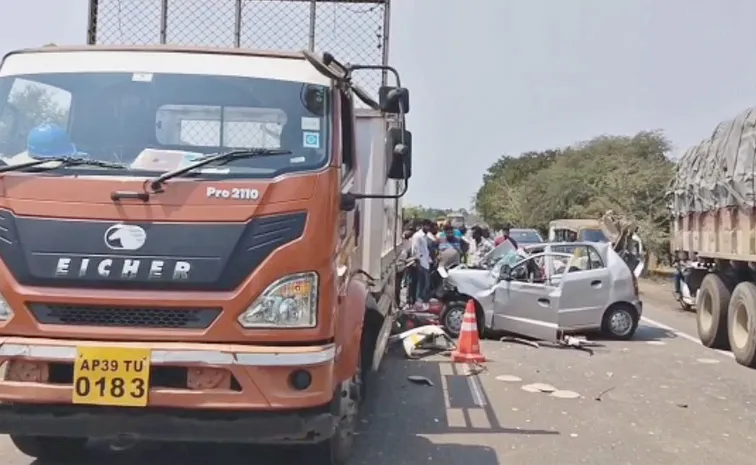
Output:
[[456, 219], [557, 289], [576, 230], [621, 234], [526, 236]]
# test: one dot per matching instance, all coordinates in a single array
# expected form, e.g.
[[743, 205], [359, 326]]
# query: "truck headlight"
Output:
[[6, 312], [290, 302]]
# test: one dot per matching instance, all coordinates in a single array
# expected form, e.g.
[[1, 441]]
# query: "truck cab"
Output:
[[181, 246]]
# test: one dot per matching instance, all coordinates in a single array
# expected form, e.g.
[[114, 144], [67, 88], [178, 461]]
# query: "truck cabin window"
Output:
[[159, 122]]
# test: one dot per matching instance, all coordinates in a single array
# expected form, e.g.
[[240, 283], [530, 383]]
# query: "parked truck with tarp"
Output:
[[714, 236]]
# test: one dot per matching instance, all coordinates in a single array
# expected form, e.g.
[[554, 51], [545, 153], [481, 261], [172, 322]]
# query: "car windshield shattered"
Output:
[[150, 123]]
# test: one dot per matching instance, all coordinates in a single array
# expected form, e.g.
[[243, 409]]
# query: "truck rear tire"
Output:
[[741, 324], [59, 449], [711, 311]]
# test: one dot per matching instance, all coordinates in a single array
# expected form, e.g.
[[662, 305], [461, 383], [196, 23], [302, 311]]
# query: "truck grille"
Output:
[[125, 317]]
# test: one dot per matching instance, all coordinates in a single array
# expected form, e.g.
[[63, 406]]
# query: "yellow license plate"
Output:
[[111, 376]]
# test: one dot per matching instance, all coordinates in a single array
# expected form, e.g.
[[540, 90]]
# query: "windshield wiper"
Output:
[[213, 159], [63, 162]]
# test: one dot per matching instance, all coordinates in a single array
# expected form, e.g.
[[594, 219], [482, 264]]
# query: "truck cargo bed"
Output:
[[727, 234]]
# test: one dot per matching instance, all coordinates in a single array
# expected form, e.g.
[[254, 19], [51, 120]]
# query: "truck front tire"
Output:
[[337, 449], [741, 324], [59, 449], [711, 312]]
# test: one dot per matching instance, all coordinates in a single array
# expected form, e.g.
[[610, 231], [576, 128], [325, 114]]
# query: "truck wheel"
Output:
[[711, 311], [741, 324], [60, 449], [337, 449]]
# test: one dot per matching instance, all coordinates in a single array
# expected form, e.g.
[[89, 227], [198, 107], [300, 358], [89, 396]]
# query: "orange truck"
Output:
[[196, 244]]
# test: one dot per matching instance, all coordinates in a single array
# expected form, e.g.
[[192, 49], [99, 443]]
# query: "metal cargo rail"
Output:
[[355, 31]]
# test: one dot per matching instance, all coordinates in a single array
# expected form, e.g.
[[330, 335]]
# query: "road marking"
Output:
[[476, 390], [682, 335]]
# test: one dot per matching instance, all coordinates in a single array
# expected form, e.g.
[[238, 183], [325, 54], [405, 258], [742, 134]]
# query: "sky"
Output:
[[494, 77]]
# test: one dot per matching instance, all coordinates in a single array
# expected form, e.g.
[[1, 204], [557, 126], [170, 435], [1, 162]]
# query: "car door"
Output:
[[526, 308], [585, 289]]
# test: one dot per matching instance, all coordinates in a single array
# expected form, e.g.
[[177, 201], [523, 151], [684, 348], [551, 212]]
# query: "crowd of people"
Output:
[[426, 246]]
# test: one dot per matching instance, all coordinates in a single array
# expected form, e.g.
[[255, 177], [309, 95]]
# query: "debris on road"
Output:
[[529, 388], [475, 369], [601, 394], [520, 340], [563, 394], [422, 380], [543, 387], [509, 378], [431, 338]]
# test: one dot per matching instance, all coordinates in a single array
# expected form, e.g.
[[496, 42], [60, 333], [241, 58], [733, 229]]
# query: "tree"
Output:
[[419, 212], [37, 104], [628, 175]]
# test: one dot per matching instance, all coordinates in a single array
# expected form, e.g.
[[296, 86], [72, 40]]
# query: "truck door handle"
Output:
[[596, 283], [544, 302]]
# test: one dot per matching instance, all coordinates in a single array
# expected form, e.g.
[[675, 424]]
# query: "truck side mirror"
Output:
[[390, 99], [399, 154]]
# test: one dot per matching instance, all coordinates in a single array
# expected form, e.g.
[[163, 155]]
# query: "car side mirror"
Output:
[[394, 100], [399, 154]]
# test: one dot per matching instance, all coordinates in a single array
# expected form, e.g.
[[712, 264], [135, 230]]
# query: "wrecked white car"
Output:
[[557, 288]]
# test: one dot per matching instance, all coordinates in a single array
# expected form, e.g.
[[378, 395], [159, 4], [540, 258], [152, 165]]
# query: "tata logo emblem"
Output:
[[125, 237]]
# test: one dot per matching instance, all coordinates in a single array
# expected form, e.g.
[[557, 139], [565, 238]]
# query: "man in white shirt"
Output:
[[421, 252]]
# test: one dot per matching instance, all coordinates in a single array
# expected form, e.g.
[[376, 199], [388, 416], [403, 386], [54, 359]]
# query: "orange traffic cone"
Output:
[[468, 346]]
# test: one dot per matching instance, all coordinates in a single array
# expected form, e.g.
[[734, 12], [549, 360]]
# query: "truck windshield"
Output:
[[153, 123], [593, 235]]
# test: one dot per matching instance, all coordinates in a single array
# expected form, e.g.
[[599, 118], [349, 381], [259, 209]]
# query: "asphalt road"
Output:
[[659, 399]]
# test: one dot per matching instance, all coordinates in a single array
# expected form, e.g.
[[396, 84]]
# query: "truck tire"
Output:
[[711, 311], [59, 449], [337, 449], [741, 324]]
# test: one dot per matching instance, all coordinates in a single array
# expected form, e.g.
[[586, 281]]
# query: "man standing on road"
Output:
[[506, 237], [421, 253], [483, 243], [401, 266]]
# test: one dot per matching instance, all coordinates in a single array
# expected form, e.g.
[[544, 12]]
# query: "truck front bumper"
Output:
[[303, 426], [198, 391]]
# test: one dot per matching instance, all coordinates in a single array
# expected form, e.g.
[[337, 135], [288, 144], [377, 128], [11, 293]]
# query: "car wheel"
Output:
[[59, 449], [452, 317], [620, 321]]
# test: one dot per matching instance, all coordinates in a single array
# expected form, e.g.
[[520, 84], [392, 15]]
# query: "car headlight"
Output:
[[6, 312], [290, 302]]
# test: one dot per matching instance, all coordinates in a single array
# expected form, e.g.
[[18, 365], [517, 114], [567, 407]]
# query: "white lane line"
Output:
[[476, 390], [682, 335]]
